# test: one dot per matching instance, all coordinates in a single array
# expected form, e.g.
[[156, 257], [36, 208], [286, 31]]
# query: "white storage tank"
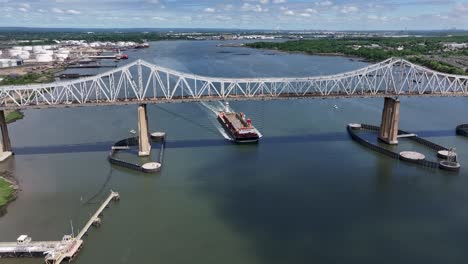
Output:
[[14, 52], [61, 56], [24, 55], [47, 52], [47, 47], [44, 58], [37, 48], [17, 48], [63, 51], [28, 48]]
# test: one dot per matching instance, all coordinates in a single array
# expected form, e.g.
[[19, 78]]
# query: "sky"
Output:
[[238, 14]]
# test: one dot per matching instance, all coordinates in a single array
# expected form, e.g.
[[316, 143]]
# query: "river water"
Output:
[[305, 194]]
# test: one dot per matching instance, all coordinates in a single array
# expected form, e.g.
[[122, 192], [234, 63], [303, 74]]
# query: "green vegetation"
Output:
[[377, 49], [28, 78], [6, 192], [13, 116], [437, 65]]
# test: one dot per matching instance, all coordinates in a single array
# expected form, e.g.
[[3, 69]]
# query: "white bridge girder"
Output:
[[141, 81]]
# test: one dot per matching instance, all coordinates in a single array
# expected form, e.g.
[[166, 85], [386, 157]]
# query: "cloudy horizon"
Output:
[[232, 14]]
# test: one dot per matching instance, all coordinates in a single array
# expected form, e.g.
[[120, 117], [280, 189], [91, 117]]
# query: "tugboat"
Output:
[[238, 127]]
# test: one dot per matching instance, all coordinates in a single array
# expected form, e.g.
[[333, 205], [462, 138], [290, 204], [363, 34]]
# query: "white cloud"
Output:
[[25, 5], [209, 10], [325, 3], [73, 12], [349, 9], [22, 9], [264, 2], [253, 8], [159, 18], [305, 15], [279, 1], [311, 10], [377, 18], [289, 13], [57, 10]]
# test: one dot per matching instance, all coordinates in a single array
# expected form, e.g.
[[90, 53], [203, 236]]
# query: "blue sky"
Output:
[[246, 14]]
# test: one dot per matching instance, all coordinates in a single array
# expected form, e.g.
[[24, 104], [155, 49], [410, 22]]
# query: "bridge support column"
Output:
[[6, 144], [390, 118], [144, 146]]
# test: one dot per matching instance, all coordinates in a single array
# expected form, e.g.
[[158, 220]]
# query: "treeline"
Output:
[[375, 49], [49, 37], [438, 65]]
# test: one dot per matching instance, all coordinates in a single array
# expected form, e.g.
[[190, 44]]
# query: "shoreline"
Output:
[[334, 54], [7, 177]]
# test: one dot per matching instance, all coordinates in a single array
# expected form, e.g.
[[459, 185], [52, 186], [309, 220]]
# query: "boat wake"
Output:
[[213, 110]]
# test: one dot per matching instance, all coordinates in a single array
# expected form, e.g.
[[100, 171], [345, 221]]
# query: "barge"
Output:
[[238, 127]]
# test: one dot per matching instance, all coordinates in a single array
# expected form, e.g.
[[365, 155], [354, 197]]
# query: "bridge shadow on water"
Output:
[[326, 204], [106, 146]]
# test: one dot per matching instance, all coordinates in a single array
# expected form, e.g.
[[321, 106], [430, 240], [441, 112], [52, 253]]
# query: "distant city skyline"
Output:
[[245, 14]]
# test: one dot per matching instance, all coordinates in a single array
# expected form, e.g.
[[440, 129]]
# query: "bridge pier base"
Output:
[[390, 119], [144, 146]]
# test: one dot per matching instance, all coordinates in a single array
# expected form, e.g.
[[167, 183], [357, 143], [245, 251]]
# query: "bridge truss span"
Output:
[[143, 82]]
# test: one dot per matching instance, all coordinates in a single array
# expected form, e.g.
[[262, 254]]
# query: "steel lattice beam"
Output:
[[141, 81]]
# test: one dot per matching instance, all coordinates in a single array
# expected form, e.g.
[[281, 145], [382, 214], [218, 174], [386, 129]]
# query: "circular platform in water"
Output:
[[151, 166], [158, 135], [444, 154], [355, 126], [411, 155], [449, 165]]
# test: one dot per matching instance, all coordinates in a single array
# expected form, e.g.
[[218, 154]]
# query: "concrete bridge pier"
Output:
[[390, 119], [6, 144], [144, 146]]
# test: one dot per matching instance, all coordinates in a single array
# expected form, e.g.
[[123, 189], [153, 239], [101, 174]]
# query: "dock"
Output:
[[55, 252]]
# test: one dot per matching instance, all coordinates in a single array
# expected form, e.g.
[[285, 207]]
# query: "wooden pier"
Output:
[[55, 252]]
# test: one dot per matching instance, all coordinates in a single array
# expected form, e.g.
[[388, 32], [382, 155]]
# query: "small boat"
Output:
[[133, 131], [335, 106]]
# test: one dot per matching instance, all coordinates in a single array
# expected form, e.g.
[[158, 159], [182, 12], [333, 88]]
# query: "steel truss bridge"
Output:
[[142, 82]]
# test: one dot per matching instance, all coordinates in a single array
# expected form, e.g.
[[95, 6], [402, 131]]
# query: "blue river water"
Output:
[[305, 194]]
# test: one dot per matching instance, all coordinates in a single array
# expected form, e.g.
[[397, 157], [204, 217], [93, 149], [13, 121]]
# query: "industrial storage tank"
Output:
[[24, 55], [47, 52], [44, 58], [28, 48], [14, 52], [37, 48], [61, 56]]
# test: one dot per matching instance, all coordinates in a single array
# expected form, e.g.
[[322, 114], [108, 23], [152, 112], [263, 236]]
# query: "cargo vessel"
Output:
[[238, 127]]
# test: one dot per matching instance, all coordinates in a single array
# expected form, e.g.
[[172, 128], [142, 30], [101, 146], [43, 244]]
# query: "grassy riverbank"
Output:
[[418, 50], [13, 116], [6, 193]]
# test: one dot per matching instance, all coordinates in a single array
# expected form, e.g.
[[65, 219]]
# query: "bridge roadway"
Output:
[[163, 100], [142, 82]]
